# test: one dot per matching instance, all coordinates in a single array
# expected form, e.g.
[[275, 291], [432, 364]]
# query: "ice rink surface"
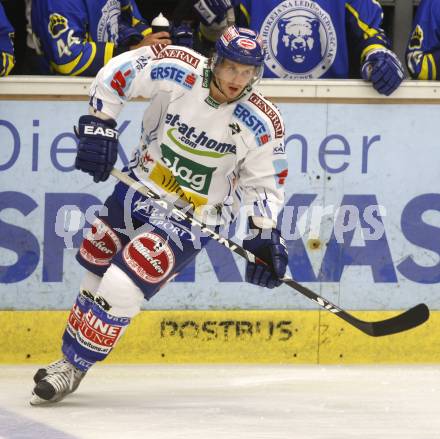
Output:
[[226, 401]]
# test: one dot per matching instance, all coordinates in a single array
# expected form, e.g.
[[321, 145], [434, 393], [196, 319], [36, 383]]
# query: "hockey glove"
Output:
[[97, 146], [211, 11], [272, 250], [182, 35], [383, 69], [128, 36]]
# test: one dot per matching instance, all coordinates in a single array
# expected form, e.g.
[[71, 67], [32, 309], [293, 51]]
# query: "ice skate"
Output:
[[55, 382], [56, 366]]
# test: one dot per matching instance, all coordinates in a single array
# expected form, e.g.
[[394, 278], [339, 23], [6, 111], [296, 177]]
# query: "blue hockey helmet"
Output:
[[240, 45]]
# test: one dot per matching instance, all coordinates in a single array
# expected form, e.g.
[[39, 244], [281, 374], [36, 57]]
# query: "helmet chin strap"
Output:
[[217, 85]]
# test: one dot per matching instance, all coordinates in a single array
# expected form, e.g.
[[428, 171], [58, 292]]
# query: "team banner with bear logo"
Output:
[[361, 217]]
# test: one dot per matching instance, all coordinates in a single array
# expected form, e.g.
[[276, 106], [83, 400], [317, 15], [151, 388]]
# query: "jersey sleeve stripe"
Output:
[[108, 52], [424, 69], [433, 66], [7, 63], [69, 68], [369, 48], [90, 60], [367, 30], [245, 13]]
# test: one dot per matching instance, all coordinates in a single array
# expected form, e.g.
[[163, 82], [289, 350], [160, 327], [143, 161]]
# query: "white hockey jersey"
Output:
[[214, 156]]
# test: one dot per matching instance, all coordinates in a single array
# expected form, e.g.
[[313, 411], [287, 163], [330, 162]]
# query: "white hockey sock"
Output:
[[118, 295]]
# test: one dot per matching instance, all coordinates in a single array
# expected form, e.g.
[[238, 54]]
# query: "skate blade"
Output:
[[36, 400]]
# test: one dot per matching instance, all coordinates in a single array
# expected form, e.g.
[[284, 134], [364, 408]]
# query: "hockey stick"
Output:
[[409, 319]]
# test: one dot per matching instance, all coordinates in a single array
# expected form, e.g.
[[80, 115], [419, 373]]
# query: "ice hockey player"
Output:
[[324, 39], [423, 50], [210, 142]]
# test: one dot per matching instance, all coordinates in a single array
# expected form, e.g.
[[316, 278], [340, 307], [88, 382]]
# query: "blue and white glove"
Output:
[[211, 11], [97, 146], [383, 69], [272, 251], [182, 35]]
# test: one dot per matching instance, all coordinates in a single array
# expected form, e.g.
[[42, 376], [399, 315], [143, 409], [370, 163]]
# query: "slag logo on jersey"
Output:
[[107, 29], [150, 257], [300, 39], [172, 72], [188, 173], [190, 139], [255, 123]]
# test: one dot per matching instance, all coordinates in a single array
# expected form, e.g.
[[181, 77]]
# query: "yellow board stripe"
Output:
[[284, 337]]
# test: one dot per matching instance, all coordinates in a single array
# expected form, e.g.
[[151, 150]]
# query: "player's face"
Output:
[[233, 77]]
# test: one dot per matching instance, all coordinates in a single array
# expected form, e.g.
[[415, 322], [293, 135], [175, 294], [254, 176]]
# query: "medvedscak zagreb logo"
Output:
[[300, 40]]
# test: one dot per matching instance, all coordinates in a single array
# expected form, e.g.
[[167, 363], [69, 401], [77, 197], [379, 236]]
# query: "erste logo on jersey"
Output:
[[300, 39], [150, 257], [175, 73], [255, 123]]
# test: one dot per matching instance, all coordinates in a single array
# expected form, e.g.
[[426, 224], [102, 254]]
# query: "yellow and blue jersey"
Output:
[[423, 50], [7, 60], [308, 39], [78, 37]]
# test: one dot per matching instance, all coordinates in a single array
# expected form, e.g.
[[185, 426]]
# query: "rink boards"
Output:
[[277, 337], [361, 216], [375, 161]]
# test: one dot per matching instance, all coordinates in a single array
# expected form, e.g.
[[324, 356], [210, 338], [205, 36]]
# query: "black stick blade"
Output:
[[409, 319]]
